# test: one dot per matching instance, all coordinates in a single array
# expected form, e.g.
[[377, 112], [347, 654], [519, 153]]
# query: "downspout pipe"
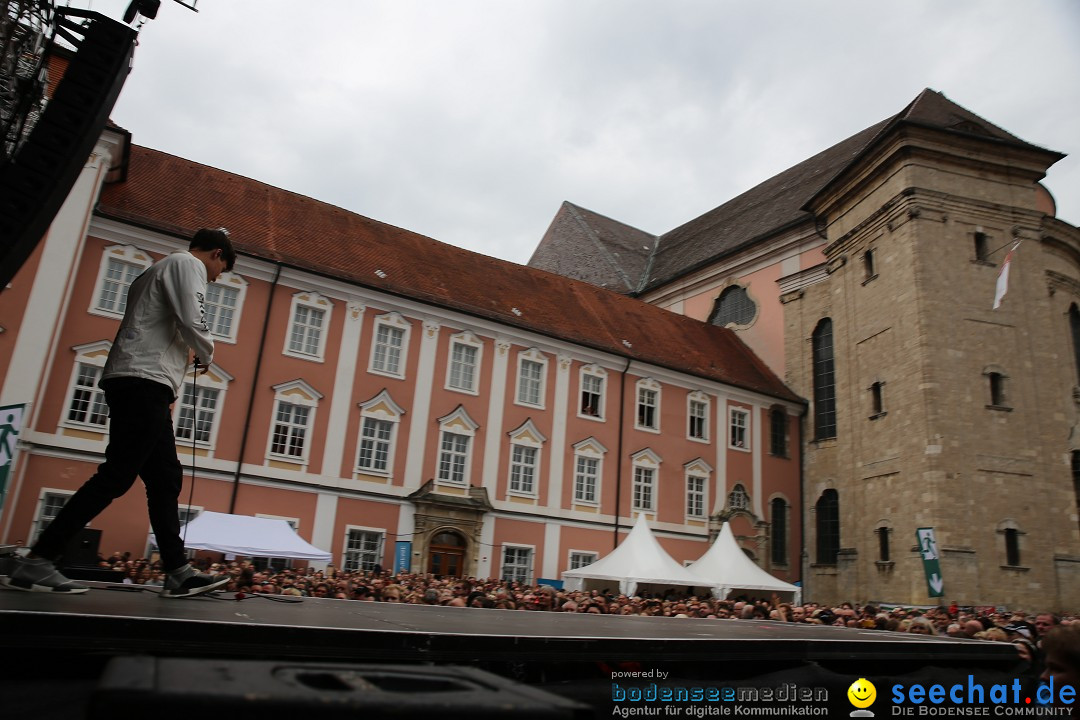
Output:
[[804, 557], [619, 452], [254, 387]]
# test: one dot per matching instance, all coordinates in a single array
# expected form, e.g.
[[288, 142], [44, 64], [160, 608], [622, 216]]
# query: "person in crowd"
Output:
[[1044, 623], [1061, 646], [922, 626]]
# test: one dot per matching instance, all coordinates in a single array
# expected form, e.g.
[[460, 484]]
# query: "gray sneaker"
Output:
[[40, 575], [191, 583]]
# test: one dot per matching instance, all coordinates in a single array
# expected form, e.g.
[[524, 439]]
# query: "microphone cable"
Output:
[[194, 425]]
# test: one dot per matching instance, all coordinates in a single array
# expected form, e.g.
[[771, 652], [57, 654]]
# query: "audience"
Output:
[[1025, 631]]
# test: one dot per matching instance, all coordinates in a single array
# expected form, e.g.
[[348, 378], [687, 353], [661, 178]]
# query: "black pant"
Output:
[[141, 443]]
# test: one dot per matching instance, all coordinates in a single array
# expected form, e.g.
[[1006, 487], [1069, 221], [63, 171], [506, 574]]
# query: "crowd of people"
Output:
[[382, 586], [1045, 641]]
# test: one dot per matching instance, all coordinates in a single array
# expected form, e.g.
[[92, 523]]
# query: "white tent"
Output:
[[248, 536], [638, 560], [725, 567]]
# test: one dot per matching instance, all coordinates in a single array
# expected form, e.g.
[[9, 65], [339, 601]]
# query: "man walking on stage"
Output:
[[164, 321]]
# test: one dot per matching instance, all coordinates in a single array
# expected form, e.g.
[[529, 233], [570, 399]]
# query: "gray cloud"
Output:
[[472, 121]]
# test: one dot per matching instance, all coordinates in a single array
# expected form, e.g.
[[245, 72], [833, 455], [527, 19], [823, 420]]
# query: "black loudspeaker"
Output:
[[183, 688], [37, 180], [82, 550]]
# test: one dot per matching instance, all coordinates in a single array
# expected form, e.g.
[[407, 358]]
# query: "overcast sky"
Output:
[[471, 121]]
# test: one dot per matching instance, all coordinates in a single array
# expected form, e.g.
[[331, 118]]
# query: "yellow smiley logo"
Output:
[[862, 693]]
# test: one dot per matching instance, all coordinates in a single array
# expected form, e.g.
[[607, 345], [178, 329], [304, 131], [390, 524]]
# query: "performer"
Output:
[[163, 322]]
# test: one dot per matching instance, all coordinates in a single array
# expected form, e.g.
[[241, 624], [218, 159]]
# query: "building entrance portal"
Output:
[[448, 522]]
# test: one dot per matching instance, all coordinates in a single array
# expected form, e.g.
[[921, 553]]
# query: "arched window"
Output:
[[779, 533], [883, 543], [1074, 327], [828, 527], [877, 399], [1012, 546], [824, 382], [998, 385], [1011, 532], [448, 539], [733, 307]]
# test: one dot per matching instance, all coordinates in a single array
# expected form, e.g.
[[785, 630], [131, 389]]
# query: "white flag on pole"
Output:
[[1003, 277]]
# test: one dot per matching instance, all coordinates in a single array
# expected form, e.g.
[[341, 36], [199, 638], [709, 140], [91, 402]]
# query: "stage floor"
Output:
[[61, 646], [117, 619]]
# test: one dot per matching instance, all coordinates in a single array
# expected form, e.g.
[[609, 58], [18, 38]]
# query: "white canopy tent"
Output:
[[726, 568], [638, 560], [247, 536]]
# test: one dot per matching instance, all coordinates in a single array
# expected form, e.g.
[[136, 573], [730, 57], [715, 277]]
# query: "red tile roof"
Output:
[[177, 196]]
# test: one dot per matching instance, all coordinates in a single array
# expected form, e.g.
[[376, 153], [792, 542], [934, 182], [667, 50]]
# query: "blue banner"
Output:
[[402, 556]]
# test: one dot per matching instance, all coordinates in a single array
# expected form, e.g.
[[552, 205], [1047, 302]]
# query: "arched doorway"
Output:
[[446, 554]]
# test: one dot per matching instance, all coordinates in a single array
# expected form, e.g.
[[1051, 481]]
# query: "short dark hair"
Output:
[[215, 239]]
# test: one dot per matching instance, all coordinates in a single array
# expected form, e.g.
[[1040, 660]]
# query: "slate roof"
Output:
[[777, 204], [178, 196], [758, 213], [588, 246]]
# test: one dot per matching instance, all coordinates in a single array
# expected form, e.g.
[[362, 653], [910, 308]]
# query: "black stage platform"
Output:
[[577, 656]]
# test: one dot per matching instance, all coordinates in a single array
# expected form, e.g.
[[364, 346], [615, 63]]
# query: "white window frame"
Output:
[[525, 438], [581, 555], [294, 392], [311, 301], [36, 527], [697, 469], [524, 468], [527, 578], [647, 394], [456, 423], [465, 339], [380, 408], [739, 419], [698, 397], [227, 281], [695, 496], [597, 372], [396, 322], [378, 554], [92, 355], [532, 355], [589, 449], [215, 378], [138, 260], [645, 462]]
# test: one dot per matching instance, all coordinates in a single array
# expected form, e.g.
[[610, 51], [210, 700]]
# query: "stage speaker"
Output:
[[82, 550], [38, 178], [182, 688]]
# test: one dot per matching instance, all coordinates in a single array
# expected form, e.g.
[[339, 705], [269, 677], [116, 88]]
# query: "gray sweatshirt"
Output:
[[164, 320]]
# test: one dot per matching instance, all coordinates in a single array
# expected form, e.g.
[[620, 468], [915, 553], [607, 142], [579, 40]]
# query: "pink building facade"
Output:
[[492, 420]]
